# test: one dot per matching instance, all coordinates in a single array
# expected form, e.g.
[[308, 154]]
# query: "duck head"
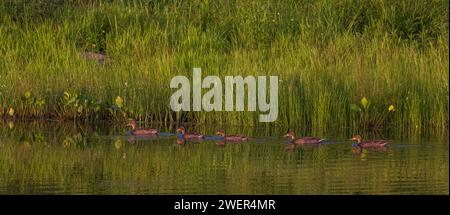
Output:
[[357, 138], [290, 134], [181, 130], [221, 133], [132, 123]]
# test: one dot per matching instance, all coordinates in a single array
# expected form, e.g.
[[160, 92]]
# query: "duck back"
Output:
[[145, 132], [374, 144], [236, 138], [308, 140]]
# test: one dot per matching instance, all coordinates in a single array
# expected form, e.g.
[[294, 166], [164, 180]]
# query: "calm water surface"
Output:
[[62, 158]]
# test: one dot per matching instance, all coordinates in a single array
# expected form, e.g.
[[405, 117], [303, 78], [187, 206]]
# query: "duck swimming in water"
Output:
[[190, 135], [232, 138], [369, 144], [303, 140], [141, 131]]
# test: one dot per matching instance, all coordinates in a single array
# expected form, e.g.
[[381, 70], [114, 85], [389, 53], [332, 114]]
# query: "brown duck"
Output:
[[141, 131], [303, 140], [190, 135], [232, 138], [369, 144]]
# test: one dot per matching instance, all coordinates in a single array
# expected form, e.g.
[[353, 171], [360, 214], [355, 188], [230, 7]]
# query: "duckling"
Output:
[[369, 144], [303, 140], [232, 138], [141, 131]]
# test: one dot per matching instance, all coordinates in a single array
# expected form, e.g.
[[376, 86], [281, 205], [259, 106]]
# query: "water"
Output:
[[66, 158]]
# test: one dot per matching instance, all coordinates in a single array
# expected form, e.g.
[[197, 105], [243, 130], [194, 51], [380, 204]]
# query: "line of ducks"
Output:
[[181, 131]]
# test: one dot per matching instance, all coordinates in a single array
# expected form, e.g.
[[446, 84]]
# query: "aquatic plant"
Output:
[[373, 116], [76, 140]]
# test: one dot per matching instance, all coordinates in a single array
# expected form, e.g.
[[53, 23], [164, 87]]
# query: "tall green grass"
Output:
[[327, 54]]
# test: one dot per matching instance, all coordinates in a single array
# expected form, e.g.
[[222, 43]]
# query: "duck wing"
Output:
[[308, 140], [193, 135], [143, 131], [374, 143], [236, 138]]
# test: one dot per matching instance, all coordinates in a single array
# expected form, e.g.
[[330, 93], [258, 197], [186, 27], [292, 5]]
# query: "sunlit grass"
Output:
[[328, 55]]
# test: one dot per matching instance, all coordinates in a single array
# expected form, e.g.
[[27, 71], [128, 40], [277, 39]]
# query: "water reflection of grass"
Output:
[[165, 167], [327, 54]]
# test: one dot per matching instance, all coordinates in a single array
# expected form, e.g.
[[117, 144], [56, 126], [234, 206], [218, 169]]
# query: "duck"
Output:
[[190, 135], [141, 131], [369, 144], [232, 138], [303, 140]]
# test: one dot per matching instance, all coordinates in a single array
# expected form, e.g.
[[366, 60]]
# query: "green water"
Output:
[[66, 158]]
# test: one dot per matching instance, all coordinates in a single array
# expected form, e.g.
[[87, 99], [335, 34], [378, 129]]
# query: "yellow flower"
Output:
[[391, 108], [364, 102], [10, 124], [11, 112]]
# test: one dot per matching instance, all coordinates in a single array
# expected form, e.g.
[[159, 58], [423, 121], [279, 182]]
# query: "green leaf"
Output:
[[118, 144], [40, 102], [354, 107], [66, 96], [119, 101], [27, 94]]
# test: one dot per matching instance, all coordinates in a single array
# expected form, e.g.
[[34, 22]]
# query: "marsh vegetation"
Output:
[[89, 60]]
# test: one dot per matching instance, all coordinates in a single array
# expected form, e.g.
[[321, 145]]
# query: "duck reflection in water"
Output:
[[220, 144], [181, 142], [132, 139]]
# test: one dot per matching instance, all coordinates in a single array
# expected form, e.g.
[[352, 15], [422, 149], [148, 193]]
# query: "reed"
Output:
[[327, 54]]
